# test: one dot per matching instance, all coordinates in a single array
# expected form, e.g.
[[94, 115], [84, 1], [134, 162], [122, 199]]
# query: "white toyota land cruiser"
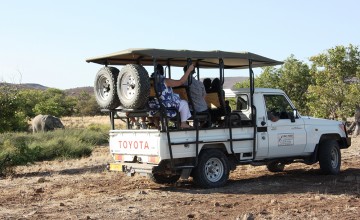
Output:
[[264, 129]]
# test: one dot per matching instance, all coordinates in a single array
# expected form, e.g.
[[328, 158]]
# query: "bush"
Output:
[[86, 105], [94, 134], [60, 147], [22, 148], [11, 116], [14, 151]]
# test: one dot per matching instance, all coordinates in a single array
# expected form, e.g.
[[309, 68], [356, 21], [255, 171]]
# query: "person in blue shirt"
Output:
[[170, 99]]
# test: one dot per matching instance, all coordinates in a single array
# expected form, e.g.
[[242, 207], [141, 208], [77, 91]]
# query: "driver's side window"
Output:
[[277, 107]]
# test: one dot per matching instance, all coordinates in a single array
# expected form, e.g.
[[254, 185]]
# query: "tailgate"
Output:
[[135, 142]]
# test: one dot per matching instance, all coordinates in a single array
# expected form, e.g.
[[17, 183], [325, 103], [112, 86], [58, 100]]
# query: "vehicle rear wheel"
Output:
[[163, 179], [212, 170], [275, 166], [105, 88], [330, 157], [133, 86]]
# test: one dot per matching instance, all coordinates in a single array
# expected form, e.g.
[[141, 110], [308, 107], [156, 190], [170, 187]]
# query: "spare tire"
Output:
[[133, 86], [105, 88]]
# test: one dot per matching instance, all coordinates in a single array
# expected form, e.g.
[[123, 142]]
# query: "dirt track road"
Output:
[[82, 189]]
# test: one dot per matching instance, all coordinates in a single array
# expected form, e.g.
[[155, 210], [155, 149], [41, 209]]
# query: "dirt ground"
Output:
[[83, 189]]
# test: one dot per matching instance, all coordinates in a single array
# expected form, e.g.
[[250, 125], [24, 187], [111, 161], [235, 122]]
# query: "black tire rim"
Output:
[[214, 169]]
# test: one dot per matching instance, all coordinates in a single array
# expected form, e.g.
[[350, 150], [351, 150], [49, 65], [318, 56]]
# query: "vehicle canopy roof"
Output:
[[204, 59]]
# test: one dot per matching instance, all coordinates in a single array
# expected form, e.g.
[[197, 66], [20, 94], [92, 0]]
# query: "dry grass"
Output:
[[86, 121]]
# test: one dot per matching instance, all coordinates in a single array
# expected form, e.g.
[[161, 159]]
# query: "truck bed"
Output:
[[154, 143]]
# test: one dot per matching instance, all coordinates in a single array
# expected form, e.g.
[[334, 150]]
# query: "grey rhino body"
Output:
[[45, 123]]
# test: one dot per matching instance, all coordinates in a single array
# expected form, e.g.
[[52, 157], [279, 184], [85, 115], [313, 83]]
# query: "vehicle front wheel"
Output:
[[330, 157], [212, 169], [163, 179], [275, 166]]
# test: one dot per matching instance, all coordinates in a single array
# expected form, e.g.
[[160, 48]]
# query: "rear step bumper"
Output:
[[131, 168]]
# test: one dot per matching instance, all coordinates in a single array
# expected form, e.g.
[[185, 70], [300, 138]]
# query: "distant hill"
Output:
[[27, 86], [72, 91], [78, 90], [229, 82]]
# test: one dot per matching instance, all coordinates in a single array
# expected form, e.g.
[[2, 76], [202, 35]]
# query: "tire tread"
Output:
[[113, 101]]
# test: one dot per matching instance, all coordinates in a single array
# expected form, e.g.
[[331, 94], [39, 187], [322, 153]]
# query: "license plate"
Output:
[[115, 167]]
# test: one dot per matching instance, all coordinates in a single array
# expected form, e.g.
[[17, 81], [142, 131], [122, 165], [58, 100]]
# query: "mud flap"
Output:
[[185, 173]]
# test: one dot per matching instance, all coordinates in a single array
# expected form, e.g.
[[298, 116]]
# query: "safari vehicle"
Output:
[[245, 135]]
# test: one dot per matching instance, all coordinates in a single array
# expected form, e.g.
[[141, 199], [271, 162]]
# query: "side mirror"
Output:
[[293, 116], [295, 113]]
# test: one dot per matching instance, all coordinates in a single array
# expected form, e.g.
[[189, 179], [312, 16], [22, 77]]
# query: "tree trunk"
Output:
[[357, 121], [354, 128], [357, 129]]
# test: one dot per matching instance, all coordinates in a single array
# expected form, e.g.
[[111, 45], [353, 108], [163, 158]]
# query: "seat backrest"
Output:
[[181, 91], [215, 85], [207, 84], [212, 100]]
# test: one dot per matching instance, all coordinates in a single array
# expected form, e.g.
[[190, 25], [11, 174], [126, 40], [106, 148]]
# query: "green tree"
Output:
[[335, 89], [268, 78], [293, 77], [86, 105], [29, 98], [55, 102], [11, 116]]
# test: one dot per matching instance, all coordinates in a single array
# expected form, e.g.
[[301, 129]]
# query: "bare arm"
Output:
[[175, 83]]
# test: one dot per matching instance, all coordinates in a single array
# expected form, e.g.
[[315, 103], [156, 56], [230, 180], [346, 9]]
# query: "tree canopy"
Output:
[[329, 88], [293, 77], [335, 90]]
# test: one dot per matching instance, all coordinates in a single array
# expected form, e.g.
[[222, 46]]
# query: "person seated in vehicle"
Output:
[[221, 110], [197, 94], [169, 99], [272, 116], [207, 84]]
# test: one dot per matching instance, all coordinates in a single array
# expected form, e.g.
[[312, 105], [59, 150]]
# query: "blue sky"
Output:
[[47, 42]]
